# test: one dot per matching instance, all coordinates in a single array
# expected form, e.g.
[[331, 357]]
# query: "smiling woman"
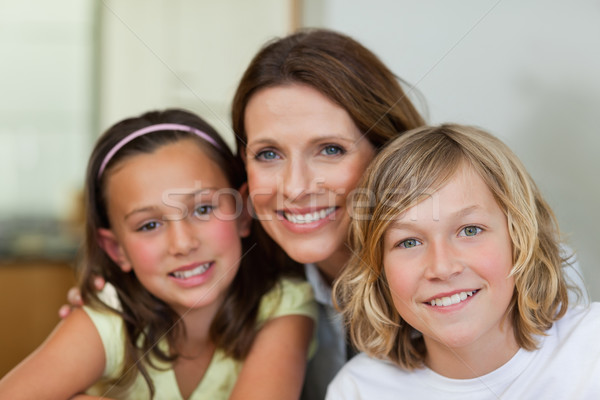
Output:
[[309, 114], [304, 157]]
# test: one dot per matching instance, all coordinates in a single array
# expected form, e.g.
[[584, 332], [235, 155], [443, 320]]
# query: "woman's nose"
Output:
[[297, 179], [182, 237]]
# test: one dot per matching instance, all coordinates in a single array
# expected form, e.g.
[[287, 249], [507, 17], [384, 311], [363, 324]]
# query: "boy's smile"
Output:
[[447, 261]]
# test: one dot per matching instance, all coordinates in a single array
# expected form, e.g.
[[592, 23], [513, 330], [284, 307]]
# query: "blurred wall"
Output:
[[526, 71]]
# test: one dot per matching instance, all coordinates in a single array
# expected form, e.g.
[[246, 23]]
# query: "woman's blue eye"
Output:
[[332, 150], [409, 243], [470, 231], [266, 155]]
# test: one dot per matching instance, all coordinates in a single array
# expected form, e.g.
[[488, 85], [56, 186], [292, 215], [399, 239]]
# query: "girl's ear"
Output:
[[111, 246], [245, 219]]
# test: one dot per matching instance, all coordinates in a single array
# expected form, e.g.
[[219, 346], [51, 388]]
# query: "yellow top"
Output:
[[290, 297]]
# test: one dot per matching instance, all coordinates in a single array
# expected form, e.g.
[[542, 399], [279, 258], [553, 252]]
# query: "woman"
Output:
[[309, 114]]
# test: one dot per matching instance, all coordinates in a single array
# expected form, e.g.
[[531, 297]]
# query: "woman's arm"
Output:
[[276, 363], [67, 363]]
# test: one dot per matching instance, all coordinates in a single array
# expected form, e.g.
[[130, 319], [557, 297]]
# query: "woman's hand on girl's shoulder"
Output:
[[74, 298]]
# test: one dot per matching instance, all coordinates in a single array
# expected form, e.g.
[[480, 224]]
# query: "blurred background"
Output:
[[526, 71]]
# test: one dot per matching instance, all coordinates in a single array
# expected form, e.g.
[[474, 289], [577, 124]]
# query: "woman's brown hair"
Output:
[[341, 69]]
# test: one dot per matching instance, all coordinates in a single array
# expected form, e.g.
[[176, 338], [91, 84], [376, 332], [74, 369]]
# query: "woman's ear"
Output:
[[245, 218], [111, 246]]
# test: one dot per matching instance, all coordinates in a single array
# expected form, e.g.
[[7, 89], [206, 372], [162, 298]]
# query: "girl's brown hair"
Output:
[[413, 167], [147, 319]]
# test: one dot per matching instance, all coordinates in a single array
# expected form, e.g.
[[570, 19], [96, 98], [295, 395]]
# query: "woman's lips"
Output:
[[307, 217]]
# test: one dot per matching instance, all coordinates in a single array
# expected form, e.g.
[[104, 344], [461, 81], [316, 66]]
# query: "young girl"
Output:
[[456, 287], [200, 312]]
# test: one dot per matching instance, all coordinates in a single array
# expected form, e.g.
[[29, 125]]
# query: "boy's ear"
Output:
[[245, 218], [109, 243]]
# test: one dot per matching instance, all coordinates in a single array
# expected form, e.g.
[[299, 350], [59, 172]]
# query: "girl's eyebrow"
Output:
[[188, 192], [138, 210]]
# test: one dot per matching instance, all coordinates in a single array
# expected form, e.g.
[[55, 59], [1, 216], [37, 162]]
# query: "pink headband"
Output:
[[150, 129]]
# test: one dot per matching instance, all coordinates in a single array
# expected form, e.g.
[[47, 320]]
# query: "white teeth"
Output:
[[310, 217], [450, 300], [191, 272]]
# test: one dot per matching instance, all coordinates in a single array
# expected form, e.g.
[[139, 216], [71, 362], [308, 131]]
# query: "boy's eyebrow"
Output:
[[404, 220]]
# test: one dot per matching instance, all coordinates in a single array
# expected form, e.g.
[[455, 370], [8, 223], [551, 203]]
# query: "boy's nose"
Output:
[[443, 263]]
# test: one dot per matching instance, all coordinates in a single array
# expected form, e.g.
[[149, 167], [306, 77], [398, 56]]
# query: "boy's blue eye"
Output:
[[409, 243], [470, 231], [333, 150], [266, 155]]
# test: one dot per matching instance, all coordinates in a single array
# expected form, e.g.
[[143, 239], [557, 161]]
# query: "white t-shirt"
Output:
[[566, 366]]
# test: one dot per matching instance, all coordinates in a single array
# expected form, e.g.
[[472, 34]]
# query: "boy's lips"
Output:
[[445, 300]]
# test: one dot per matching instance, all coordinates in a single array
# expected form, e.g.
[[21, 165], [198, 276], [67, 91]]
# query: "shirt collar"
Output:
[[321, 288]]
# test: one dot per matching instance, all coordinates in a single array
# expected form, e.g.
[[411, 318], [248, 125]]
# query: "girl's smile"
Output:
[[173, 227]]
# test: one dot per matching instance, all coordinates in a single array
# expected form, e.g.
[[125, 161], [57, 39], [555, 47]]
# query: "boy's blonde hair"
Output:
[[412, 167]]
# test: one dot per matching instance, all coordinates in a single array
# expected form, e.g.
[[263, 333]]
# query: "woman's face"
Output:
[[304, 157]]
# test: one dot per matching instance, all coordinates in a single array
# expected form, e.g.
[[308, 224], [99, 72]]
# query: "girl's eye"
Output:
[[149, 226], [203, 210], [409, 243], [332, 150], [266, 155], [470, 231]]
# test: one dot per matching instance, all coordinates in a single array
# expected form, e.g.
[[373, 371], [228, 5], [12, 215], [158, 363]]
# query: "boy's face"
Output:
[[453, 250]]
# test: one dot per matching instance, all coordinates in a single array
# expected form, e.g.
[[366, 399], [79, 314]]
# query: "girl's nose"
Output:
[[442, 263], [182, 237]]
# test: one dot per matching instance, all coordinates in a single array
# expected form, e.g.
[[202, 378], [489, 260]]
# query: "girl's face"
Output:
[[174, 225], [453, 250], [304, 156]]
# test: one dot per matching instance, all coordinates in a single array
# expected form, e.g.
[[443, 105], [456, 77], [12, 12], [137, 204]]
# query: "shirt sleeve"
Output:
[[111, 329], [288, 297], [291, 297]]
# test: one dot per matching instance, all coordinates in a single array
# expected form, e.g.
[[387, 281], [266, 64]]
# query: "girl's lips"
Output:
[[191, 270]]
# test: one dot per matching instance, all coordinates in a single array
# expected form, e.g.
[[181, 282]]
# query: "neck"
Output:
[[197, 324], [332, 267], [474, 360]]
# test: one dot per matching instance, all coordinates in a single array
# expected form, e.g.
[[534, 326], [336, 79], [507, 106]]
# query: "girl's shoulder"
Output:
[[289, 296]]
